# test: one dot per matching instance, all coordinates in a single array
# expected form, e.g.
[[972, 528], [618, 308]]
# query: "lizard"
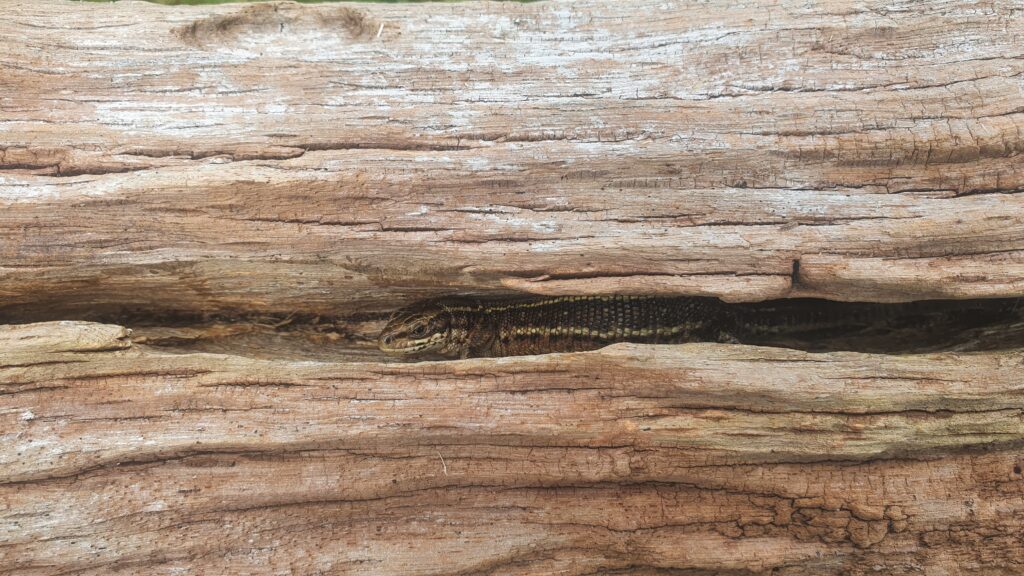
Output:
[[468, 327]]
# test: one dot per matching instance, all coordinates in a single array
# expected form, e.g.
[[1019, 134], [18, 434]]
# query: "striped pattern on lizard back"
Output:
[[464, 327], [560, 324], [577, 323]]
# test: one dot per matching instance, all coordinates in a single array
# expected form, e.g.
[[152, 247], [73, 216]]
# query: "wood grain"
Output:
[[201, 177], [340, 158], [632, 459]]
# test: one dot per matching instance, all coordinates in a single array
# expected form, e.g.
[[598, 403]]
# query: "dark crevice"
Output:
[[900, 328], [807, 324]]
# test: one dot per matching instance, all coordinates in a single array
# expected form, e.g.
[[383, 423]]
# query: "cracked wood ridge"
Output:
[[330, 159], [339, 161], [632, 459]]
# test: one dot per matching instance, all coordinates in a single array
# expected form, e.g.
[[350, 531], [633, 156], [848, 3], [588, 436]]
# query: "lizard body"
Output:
[[466, 327]]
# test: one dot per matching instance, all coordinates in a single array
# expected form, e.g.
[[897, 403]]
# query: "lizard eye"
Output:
[[419, 331]]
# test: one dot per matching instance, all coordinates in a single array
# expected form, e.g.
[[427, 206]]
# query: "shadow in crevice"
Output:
[[812, 325], [816, 325]]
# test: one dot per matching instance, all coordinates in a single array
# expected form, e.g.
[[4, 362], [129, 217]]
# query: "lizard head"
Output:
[[418, 330]]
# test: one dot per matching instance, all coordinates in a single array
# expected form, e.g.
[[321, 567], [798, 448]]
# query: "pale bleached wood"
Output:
[[631, 459], [339, 158], [49, 337]]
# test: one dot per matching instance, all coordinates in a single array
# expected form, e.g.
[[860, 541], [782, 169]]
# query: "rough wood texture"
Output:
[[338, 160], [633, 459], [333, 158]]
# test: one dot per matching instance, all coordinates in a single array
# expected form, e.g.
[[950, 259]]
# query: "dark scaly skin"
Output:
[[465, 327], [586, 323], [561, 324]]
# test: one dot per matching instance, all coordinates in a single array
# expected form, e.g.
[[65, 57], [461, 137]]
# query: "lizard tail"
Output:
[[824, 318]]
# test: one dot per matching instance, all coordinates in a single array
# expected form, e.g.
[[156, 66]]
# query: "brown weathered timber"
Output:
[[632, 459], [260, 161], [332, 158]]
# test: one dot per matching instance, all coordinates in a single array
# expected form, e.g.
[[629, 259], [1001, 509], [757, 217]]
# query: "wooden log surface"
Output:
[[705, 458], [341, 158], [202, 176]]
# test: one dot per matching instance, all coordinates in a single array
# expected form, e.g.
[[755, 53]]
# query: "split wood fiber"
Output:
[[632, 459], [337, 158], [186, 166]]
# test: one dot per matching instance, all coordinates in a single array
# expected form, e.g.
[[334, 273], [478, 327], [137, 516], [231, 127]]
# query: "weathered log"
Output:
[[336, 158], [205, 176], [634, 458]]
